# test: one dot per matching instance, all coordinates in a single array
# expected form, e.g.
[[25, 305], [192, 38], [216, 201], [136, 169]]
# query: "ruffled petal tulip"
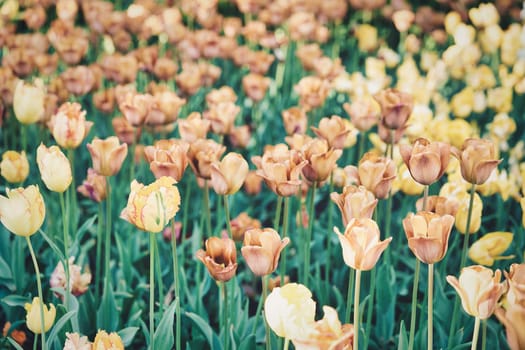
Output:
[[321, 160], [479, 289], [262, 249], [361, 245], [151, 207], [14, 166], [489, 248], [289, 310], [23, 210], [69, 126], [220, 258], [477, 160], [428, 235], [105, 341], [33, 320], [228, 175], [107, 155]]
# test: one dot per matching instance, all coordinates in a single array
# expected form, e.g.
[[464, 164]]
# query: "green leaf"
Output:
[[248, 343], [403, 340], [127, 334], [59, 325], [164, 337], [205, 328], [14, 343], [15, 300], [53, 246], [106, 312], [5, 270]]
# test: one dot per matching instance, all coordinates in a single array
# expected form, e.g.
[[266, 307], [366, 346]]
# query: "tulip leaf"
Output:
[[62, 321], [205, 328], [14, 343], [15, 300], [5, 270], [164, 337], [107, 310], [403, 341], [127, 334], [248, 343], [53, 246]]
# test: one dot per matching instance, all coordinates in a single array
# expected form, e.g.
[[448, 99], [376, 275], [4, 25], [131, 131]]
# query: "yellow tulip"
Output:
[[488, 248], [22, 211], [105, 341], [28, 101], [150, 207], [461, 215], [54, 167], [289, 310], [33, 316], [14, 166], [228, 175]]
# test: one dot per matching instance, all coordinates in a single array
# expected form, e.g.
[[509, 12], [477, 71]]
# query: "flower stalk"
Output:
[[356, 308], [475, 334], [308, 238], [40, 294], [430, 299], [152, 291], [176, 285]]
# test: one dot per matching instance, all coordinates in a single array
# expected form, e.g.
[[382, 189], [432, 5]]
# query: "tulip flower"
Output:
[[335, 131], [151, 207], [22, 211], [54, 167], [242, 223], [28, 101], [228, 175], [105, 341], [396, 107], [355, 202], [33, 316], [193, 127], [321, 160], [79, 282], [94, 186], [489, 248], [428, 235], [75, 341], [202, 153], [107, 155], [220, 258], [477, 160], [262, 249], [168, 158], [14, 166], [439, 205], [426, 161], [289, 310], [375, 173], [69, 126]]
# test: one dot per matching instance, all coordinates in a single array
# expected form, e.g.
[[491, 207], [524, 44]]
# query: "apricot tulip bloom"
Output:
[[262, 249], [14, 166], [220, 258], [355, 202], [426, 161], [228, 175], [107, 155], [477, 158], [489, 248]]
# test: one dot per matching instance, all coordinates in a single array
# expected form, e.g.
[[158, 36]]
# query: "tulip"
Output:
[[477, 160], [479, 289], [193, 127], [168, 158], [14, 166], [396, 107], [334, 130], [363, 112], [54, 167], [361, 245], [242, 223], [105, 341], [78, 282], [375, 173], [462, 213], [228, 175], [94, 186], [107, 155], [439, 205], [426, 161], [220, 258], [489, 248], [75, 341], [355, 202], [135, 107], [202, 153], [28, 101], [69, 126], [289, 310], [512, 314], [428, 235], [294, 120], [321, 160], [327, 333], [262, 249], [222, 117], [22, 211], [33, 316], [151, 207]]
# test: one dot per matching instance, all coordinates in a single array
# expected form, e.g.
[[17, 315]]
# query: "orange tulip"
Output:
[[262, 249], [355, 202], [396, 107], [108, 155], [168, 158], [220, 258], [477, 160], [426, 161], [69, 126]]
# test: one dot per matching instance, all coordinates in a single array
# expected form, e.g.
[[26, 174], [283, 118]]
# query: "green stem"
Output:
[[40, 294], [329, 236], [152, 291], [224, 290], [227, 215], [257, 313], [370, 307], [308, 239], [356, 308], [72, 193], [278, 213], [286, 214], [266, 325], [132, 156], [455, 312], [286, 343], [476, 334], [349, 299], [98, 263], [207, 206], [176, 285], [159, 274], [361, 146], [65, 224], [107, 242], [484, 335], [185, 216], [414, 306], [23, 136], [430, 298]]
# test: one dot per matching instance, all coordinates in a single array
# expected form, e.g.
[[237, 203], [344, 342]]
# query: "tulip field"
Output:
[[250, 174]]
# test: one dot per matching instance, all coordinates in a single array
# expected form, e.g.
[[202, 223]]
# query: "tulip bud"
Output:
[[228, 175], [361, 245], [479, 289], [14, 166], [108, 155], [262, 249], [54, 167], [220, 258], [28, 101], [23, 210], [335, 131], [33, 320]]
